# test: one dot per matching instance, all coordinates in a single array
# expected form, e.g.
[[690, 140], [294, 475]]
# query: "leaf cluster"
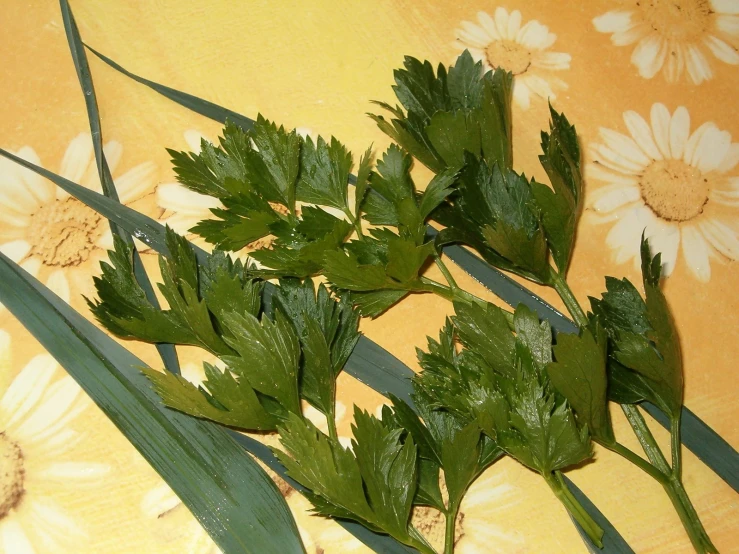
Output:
[[499, 381], [272, 360], [645, 361], [461, 118]]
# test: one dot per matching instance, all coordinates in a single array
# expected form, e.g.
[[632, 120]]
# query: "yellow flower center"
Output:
[[509, 55], [683, 20], [64, 232], [11, 475], [674, 190]]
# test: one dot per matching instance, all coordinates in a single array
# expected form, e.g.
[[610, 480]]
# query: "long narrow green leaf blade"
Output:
[[234, 499], [167, 352], [193, 103]]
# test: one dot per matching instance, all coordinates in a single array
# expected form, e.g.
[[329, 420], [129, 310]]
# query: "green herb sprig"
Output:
[[510, 389]]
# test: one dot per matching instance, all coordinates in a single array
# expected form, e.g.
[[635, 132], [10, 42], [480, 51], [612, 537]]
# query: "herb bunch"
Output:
[[495, 382]]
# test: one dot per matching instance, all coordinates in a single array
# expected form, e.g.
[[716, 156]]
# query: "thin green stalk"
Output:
[[332, 433], [676, 445], [674, 487], [445, 272], [451, 521], [356, 222], [637, 460], [565, 293], [646, 439], [559, 487]]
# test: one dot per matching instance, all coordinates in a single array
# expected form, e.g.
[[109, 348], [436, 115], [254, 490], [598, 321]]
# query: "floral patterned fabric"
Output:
[[650, 85]]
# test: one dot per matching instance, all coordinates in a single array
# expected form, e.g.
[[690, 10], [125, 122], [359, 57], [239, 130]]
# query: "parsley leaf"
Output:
[[645, 342], [579, 374], [194, 293], [327, 331], [222, 398], [499, 381], [448, 112], [375, 484], [559, 205], [324, 173]]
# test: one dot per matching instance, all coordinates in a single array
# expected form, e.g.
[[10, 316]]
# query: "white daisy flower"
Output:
[[51, 234], [673, 184], [676, 37], [521, 49], [35, 414]]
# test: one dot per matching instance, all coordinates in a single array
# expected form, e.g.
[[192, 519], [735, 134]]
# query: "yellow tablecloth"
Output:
[[651, 86]]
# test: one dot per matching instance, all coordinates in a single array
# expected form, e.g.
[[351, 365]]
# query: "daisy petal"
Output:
[[158, 501], [59, 284], [82, 471], [728, 24], [41, 188], [514, 24], [725, 197], [32, 266], [679, 132], [723, 237], [642, 134], [625, 146], [60, 443], [612, 22], [538, 86], [665, 239], [475, 32], [631, 35], [698, 68], [52, 409], [696, 250], [731, 159], [26, 389], [721, 50], [15, 250], [488, 25], [53, 519], [136, 182], [535, 36], [711, 150], [553, 61], [501, 22], [675, 63], [14, 538], [15, 194], [613, 198], [660, 119], [521, 94], [624, 236], [616, 160], [469, 40], [725, 6], [598, 172], [77, 158], [113, 151], [175, 197], [649, 55], [194, 139], [695, 139]]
